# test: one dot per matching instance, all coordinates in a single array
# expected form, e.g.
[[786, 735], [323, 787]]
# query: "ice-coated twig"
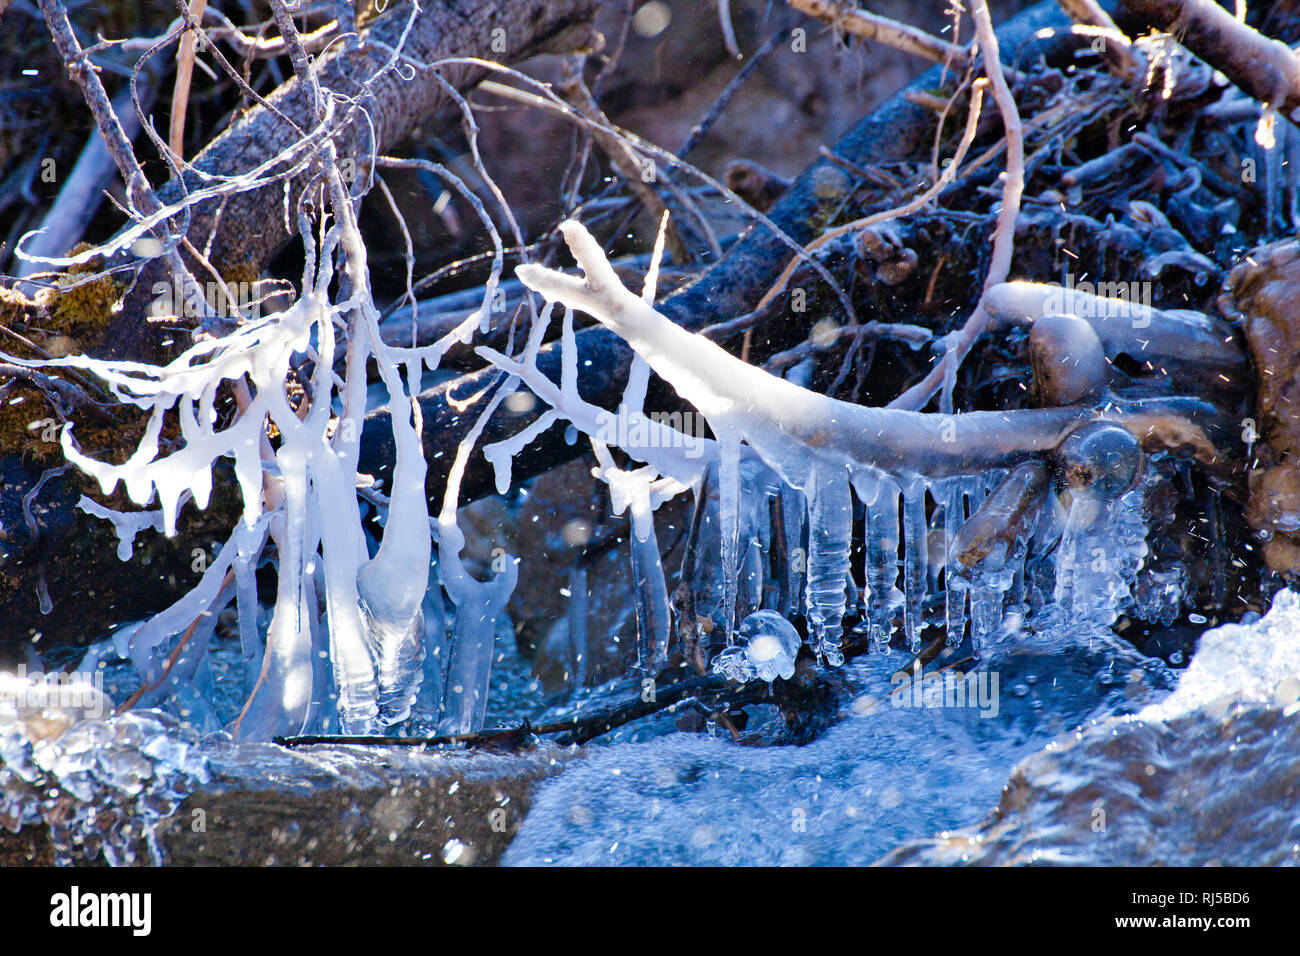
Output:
[[776, 413], [814, 443]]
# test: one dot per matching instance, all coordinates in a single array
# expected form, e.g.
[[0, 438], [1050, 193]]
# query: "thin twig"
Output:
[[702, 128], [870, 26], [184, 73], [943, 375], [945, 177]]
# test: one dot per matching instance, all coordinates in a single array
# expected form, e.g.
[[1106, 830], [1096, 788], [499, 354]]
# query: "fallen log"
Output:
[[247, 229]]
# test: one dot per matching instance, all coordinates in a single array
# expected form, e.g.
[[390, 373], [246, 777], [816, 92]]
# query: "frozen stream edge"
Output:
[[1131, 785]]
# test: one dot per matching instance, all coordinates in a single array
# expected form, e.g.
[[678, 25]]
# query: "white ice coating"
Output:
[[368, 613], [127, 524]]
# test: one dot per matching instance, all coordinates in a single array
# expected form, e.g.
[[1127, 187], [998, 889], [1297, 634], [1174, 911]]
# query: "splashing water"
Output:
[[101, 784]]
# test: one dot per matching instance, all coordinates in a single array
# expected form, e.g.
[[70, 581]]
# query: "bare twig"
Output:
[[943, 375], [139, 191], [699, 131], [1091, 20], [79, 198], [945, 177], [870, 26], [184, 72], [636, 170]]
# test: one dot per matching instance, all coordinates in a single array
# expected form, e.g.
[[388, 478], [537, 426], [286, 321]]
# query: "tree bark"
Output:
[[253, 226], [1267, 69]]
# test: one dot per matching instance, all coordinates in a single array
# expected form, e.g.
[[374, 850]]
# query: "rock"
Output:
[[334, 806], [1209, 776], [1263, 293]]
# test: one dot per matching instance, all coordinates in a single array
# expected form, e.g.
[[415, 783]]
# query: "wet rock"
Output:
[[139, 789], [95, 784], [1264, 294], [345, 806], [1209, 776]]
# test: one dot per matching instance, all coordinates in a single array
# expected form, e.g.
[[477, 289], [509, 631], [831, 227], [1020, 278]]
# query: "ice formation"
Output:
[[368, 614], [102, 784], [770, 647], [789, 463], [781, 491]]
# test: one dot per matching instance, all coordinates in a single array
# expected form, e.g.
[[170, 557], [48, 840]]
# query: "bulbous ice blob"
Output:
[[1100, 458], [767, 650], [772, 646]]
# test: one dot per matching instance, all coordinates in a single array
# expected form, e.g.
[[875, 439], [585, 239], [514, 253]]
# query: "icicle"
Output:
[[883, 598], [249, 544], [631, 491], [1102, 546], [281, 702], [638, 381], [985, 613], [794, 512], [954, 589], [915, 554], [785, 551], [651, 593], [501, 454], [728, 526], [478, 603], [433, 685], [126, 524], [830, 532]]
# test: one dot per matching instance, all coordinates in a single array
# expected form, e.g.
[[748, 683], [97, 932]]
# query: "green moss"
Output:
[[246, 272], [79, 309]]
